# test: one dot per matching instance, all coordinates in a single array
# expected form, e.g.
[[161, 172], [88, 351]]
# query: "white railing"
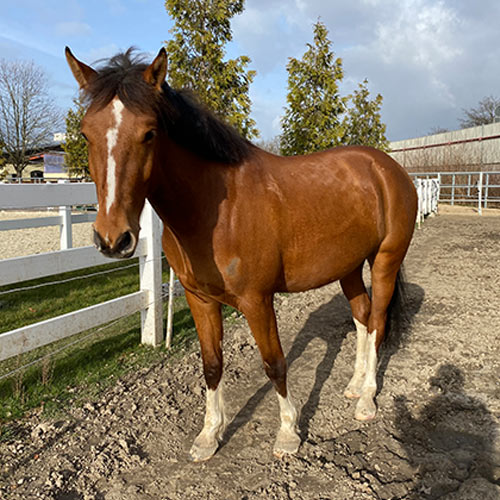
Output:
[[148, 300], [428, 197], [473, 188]]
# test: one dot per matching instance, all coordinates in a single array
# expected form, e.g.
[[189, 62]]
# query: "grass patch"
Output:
[[84, 369], [24, 307]]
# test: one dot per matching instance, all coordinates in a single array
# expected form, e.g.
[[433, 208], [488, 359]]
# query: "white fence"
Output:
[[428, 197], [148, 299], [481, 189]]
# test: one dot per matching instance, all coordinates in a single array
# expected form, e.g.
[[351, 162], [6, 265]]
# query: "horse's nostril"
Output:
[[124, 243], [98, 241]]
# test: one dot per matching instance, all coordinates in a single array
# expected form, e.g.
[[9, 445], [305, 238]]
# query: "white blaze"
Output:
[[112, 137]]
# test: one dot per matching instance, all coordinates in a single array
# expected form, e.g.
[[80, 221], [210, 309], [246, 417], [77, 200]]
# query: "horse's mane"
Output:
[[179, 113]]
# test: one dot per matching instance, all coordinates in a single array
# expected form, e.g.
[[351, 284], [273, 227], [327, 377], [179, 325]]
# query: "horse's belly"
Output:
[[323, 261]]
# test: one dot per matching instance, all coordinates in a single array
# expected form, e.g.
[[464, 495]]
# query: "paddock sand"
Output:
[[436, 434], [20, 242]]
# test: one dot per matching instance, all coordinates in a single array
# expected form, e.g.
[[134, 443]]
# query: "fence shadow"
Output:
[[330, 322]]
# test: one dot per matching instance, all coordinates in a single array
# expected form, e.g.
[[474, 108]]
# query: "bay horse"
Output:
[[241, 224]]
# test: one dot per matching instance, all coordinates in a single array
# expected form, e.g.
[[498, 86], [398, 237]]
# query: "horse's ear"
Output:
[[83, 74], [155, 73]]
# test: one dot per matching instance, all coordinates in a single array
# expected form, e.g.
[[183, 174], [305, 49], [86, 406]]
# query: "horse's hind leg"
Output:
[[355, 291], [261, 318], [208, 320], [384, 273]]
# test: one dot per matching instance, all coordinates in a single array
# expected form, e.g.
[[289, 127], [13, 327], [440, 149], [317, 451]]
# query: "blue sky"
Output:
[[428, 58]]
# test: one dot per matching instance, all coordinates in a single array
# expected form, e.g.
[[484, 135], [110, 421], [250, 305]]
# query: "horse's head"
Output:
[[120, 126]]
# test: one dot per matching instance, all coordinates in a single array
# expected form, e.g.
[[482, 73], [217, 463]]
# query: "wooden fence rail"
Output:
[[148, 299]]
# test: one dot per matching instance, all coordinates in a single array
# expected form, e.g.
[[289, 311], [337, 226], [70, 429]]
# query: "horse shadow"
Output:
[[451, 440], [330, 323]]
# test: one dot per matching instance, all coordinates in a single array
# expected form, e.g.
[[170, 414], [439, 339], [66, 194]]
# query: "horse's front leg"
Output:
[[261, 318], [208, 320]]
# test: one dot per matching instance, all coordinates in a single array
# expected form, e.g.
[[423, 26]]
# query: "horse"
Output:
[[242, 224]]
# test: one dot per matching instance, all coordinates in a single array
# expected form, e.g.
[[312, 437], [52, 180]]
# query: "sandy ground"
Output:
[[436, 434], [17, 243]]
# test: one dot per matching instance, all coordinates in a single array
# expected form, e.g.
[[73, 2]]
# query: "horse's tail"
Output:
[[397, 312]]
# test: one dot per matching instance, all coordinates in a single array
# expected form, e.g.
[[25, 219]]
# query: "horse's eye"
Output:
[[149, 136], [84, 136]]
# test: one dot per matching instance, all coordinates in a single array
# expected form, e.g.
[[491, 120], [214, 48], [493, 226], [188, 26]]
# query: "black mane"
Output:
[[179, 113]]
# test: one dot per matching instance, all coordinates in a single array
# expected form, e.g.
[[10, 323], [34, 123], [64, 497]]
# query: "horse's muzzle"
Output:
[[123, 247]]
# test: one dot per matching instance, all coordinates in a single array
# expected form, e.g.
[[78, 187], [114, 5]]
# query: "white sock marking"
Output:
[[214, 416], [288, 413], [370, 383], [112, 138], [361, 338]]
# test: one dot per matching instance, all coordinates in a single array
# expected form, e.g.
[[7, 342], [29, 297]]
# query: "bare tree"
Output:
[[482, 115], [28, 116], [437, 130], [270, 145]]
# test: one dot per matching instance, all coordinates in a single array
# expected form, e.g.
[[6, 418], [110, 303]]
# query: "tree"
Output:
[[312, 119], [196, 59], [28, 116], [437, 130], [75, 147], [270, 145], [2, 163], [482, 115], [363, 123]]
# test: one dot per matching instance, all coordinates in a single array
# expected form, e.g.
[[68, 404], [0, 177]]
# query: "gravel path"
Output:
[[436, 434]]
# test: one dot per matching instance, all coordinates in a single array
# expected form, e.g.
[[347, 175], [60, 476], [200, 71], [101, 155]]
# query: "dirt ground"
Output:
[[17, 243], [436, 434]]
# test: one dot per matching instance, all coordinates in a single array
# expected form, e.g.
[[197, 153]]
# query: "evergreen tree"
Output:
[[312, 120], [363, 124], [196, 59], [75, 147]]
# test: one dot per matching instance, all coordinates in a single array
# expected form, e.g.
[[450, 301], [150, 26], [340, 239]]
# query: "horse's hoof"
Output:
[[200, 453], [365, 410], [287, 443], [353, 389], [352, 393]]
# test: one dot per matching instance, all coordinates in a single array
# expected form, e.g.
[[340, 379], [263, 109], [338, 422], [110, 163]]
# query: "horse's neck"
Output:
[[186, 191]]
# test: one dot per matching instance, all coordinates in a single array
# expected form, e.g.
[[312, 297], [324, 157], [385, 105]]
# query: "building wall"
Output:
[[475, 148]]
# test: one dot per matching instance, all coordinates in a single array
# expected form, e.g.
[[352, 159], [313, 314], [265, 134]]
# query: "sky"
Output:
[[429, 59]]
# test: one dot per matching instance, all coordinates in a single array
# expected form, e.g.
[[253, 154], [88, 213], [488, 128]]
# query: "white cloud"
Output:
[[73, 28], [428, 58], [99, 53]]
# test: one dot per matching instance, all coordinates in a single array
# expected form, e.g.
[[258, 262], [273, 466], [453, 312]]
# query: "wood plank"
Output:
[[81, 218], [23, 196], [9, 225], [13, 224], [31, 337], [32, 267]]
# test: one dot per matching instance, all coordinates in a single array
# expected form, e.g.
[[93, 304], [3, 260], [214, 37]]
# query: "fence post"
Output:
[[151, 279], [486, 185], [438, 192], [419, 201], [170, 313], [479, 193], [66, 231]]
